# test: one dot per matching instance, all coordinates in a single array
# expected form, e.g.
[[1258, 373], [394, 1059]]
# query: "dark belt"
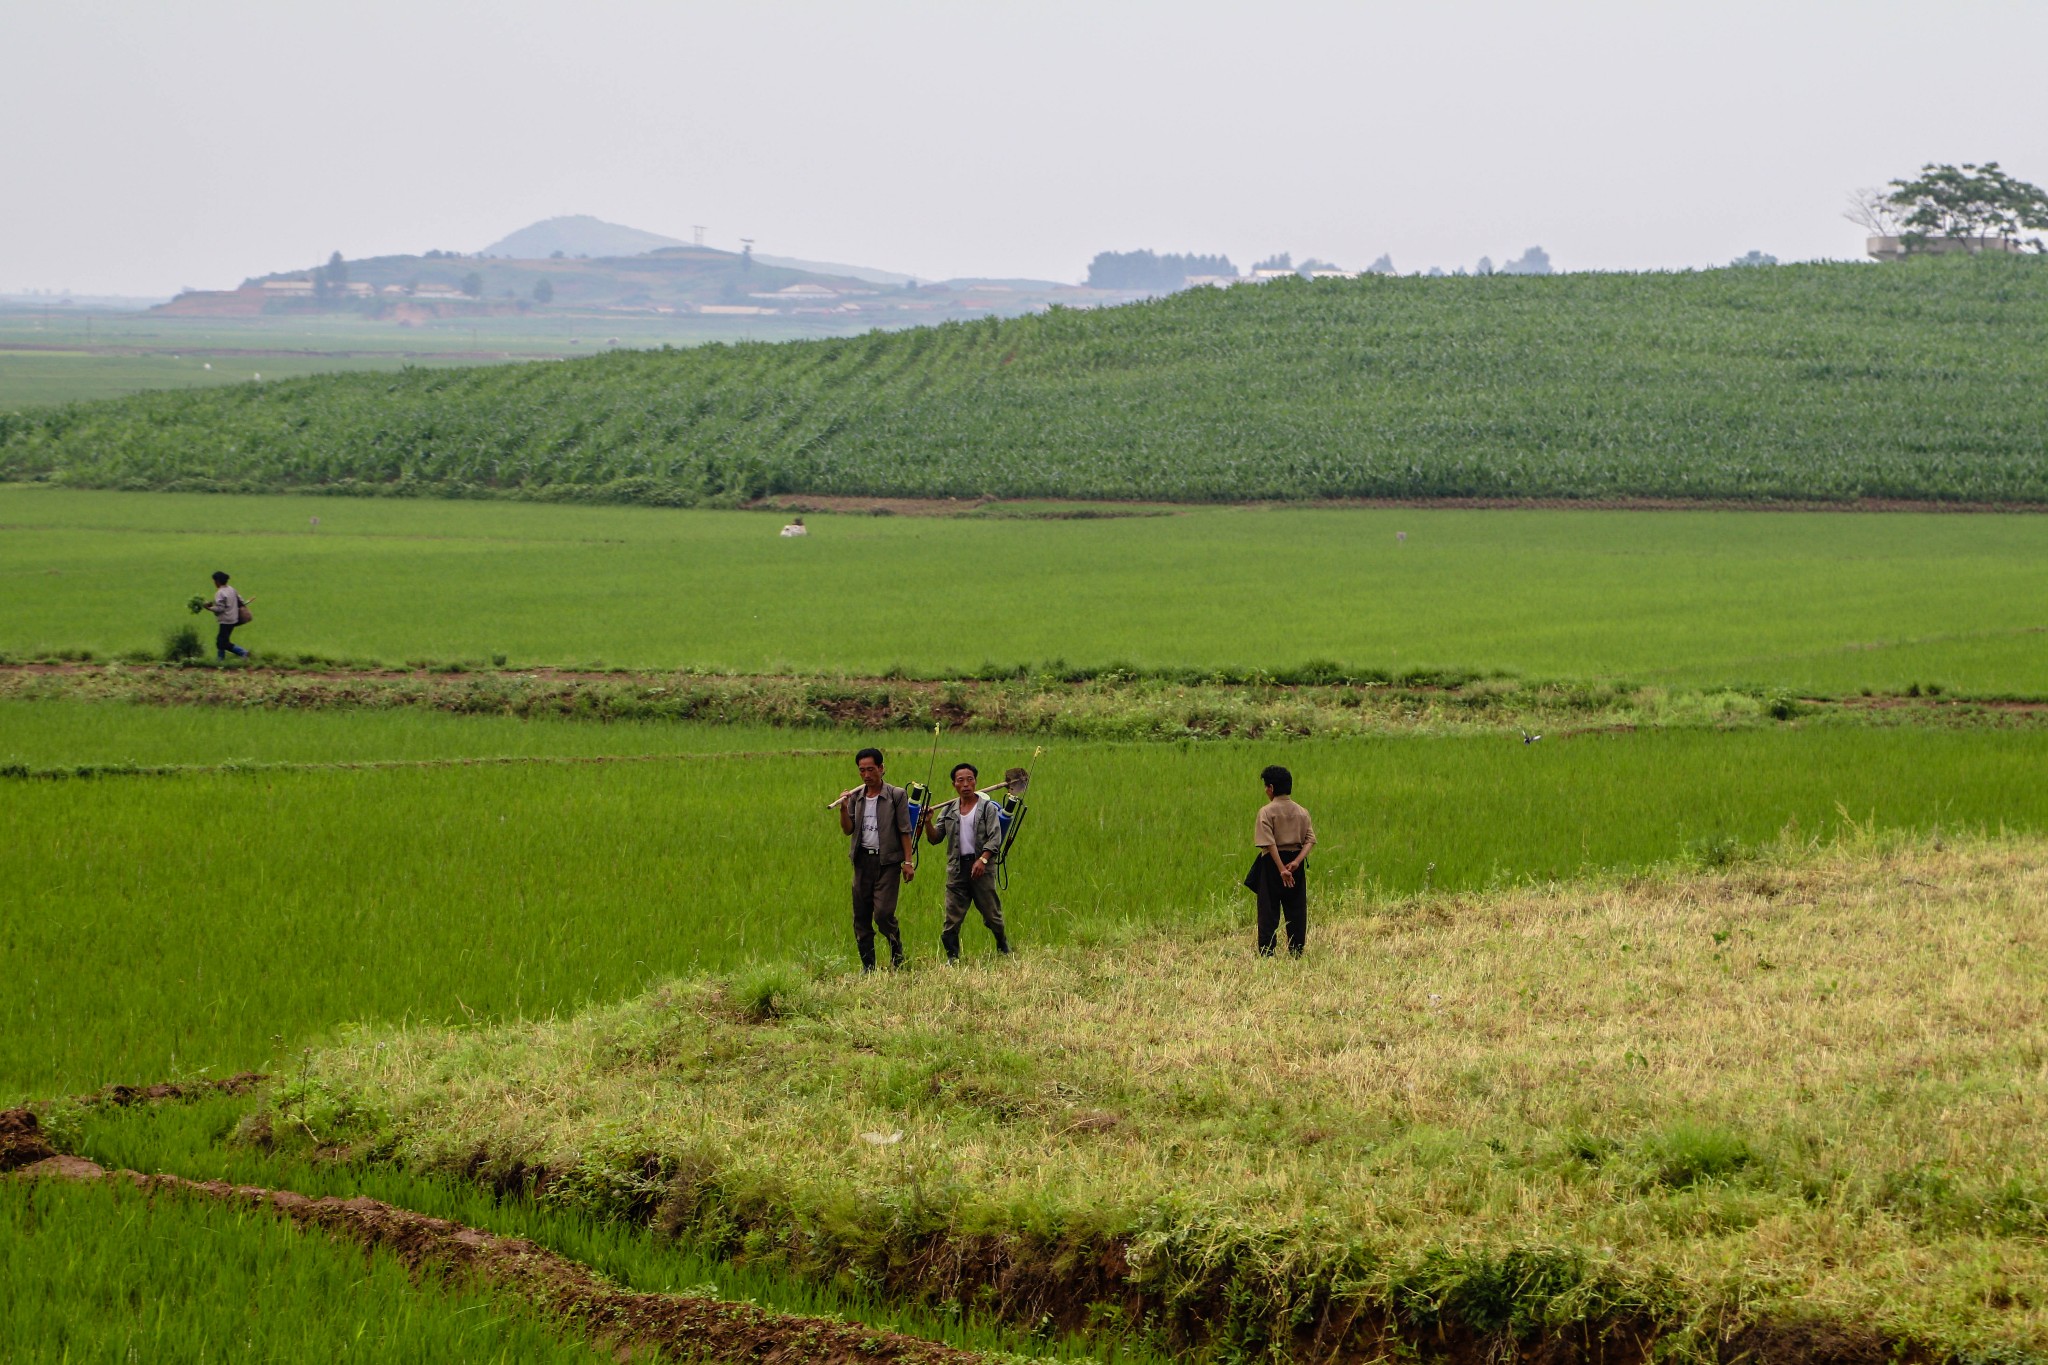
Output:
[[868, 853]]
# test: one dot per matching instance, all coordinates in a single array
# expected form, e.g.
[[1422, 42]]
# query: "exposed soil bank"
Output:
[[685, 1325]]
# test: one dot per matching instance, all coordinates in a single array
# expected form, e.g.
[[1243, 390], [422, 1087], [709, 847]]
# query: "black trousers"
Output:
[[1277, 902], [875, 885]]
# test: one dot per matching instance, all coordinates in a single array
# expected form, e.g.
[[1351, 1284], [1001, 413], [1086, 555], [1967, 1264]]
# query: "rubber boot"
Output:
[[949, 939], [1002, 942]]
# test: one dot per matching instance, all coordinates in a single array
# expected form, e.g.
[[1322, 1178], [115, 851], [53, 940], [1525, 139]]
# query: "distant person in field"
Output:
[[1283, 834], [796, 527], [230, 609], [973, 835], [876, 816]]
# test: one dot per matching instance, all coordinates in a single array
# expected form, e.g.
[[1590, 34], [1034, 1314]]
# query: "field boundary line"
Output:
[[22, 772]]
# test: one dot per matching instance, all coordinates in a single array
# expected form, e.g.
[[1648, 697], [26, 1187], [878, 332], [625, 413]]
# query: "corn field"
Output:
[[1926, 381]]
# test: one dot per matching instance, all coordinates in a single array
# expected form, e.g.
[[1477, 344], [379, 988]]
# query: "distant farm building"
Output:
[[812, 294]]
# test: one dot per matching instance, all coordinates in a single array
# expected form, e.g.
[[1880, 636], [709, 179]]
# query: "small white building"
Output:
[[800, 293]]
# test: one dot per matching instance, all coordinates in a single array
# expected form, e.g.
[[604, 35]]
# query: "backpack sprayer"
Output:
[[1010, 811]]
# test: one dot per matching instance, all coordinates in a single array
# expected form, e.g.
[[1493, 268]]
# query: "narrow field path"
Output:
[[686, 1325]]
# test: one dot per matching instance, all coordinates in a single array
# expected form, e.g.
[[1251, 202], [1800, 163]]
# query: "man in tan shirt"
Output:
[[1284, 834]]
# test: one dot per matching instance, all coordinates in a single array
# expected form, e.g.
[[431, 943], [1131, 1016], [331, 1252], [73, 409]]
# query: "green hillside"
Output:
[[1924, 381]]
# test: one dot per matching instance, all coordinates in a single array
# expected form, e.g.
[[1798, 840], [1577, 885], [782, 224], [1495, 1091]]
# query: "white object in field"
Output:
[[882, 1139], [796, 528]]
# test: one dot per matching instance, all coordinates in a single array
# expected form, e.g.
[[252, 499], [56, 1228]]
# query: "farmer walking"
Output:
[[231, 610], [972, 831], [1284, 834], [876, 817]]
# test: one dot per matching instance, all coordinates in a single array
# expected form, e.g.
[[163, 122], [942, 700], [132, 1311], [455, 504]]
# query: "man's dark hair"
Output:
[[970, 768], [875, 754], [1279, 779], [219, 577]]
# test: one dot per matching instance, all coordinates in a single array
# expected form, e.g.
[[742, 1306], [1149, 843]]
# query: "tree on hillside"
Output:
[[1968, 201], [544, 291], [329, 279], [1755, 258], [473, 284], [1870, 208], [1148, 270], [1383, 266], [1283, 260], [1534, 261]]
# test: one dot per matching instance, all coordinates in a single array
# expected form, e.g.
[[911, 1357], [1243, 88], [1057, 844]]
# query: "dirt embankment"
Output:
[[685, 1325]]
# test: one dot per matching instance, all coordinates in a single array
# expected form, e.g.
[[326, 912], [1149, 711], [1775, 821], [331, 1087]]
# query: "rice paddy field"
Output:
[[283, 890], [1815, 602]]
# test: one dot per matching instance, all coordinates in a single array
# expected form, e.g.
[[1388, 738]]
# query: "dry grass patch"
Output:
[[1682, 1107]]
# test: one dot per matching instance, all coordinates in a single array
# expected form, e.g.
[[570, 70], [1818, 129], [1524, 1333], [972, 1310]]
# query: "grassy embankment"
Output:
[[1799, 382], [1791, 1108], [1813, 603]]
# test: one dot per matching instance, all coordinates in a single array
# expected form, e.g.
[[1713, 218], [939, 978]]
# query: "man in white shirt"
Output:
[[876, 817], [973, 835]]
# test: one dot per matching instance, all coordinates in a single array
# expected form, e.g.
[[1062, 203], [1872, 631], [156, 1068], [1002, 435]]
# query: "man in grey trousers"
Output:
[[973, 835], [876, 816]]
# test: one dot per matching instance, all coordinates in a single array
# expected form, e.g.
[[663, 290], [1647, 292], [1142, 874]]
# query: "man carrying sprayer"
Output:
[[877, 817], [972, 831]]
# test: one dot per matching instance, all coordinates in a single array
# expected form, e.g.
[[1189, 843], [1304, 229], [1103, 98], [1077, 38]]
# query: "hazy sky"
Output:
[[148, 146]]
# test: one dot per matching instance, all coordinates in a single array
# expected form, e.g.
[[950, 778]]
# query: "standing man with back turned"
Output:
[[1284, 835], [877, 817], [973, 835]]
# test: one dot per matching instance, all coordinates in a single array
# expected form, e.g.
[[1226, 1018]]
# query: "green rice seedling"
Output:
[[107, 1272]]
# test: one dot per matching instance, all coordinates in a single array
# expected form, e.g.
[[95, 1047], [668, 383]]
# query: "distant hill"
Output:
[[1926, 380], [578, 234], [852, 272]]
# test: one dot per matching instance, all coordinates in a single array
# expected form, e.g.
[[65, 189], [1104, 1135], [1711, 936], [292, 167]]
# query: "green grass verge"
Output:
[[1820, 381], [1791, 1110], [1811, 602]]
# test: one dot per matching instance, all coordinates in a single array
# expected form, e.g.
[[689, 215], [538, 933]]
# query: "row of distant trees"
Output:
[[1164, 273]]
